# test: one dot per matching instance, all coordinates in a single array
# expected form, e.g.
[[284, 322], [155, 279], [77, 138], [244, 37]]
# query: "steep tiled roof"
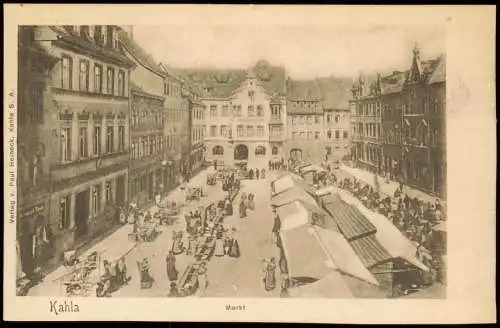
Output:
[[335, 92], [393, 83], [138, 53], [439, 73], [370, 251], [272, 78], [87, 44], [220, 83], [303, 90], [350, 221]]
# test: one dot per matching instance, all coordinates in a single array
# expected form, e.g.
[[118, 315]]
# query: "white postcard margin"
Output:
[[471, 160]]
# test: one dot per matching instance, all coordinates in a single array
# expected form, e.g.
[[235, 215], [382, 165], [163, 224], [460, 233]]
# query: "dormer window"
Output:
[[84, 31], [98, 36]]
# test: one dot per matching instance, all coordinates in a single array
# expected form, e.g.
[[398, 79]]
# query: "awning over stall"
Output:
[[312, 168], [290, 181], [291, 195]]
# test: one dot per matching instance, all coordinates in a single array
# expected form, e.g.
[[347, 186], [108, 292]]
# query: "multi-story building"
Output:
[[366, 112], [318, 119], [424, 125], [335, 96], [197, 128], [244, 114], [304, 121], [392, 123], [75, 108], [33, 184], [148, 116]]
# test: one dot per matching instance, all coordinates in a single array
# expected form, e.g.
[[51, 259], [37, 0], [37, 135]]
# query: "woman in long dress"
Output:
[[202, 279], [270, 276], [243, 209], [251, 203], [219, 243], [234, 249], [171, 269]]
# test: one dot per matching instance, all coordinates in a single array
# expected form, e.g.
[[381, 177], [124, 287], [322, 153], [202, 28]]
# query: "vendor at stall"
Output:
[[171, 269]]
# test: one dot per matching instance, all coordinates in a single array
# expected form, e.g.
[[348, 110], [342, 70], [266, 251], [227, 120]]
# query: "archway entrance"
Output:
[[241, 153], [296, 154]]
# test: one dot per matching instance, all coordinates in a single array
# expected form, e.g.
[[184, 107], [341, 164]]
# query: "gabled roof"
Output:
[[370, 251], [139, 54], [393, 83], [335, 92], [303, 90], [439, 73]]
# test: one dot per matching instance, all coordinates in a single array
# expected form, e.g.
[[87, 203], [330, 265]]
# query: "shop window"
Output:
[[260, 151]]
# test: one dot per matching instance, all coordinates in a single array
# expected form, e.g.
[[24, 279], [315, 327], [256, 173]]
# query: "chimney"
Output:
[[131, 31]]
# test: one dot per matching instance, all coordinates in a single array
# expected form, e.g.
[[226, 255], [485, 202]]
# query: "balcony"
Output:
[[77, 168]]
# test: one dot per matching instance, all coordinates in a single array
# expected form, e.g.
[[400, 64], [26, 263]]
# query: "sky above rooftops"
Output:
[[305, 51]]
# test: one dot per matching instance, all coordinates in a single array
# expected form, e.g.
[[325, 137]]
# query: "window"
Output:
[[316, 135], [213, 130], [121, 138], [294, 120], [218, 151], [337, 118], [250, 110], [223, 131], [110, 80], [346, 134], [213, 110], [294, 135], [109, 193], [310, 120], [302, 120], [225, 110], [84, 75], [337, 134], [97, 78], [260, 151], [316, 119], [251, 93], [64, 212], [109, 139], [260, 131], [309, 134], [65, 144], [96, 199], [240, 131], [250, 131], [35, 111], [121, 83], [82, 144], [67, 72], [274, 150], [260, 111], [329, 134], [237, 110]]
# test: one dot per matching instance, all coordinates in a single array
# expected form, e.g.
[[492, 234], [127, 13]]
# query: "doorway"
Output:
[[82, 212], [120, 190], [151, 185], [241, 153]]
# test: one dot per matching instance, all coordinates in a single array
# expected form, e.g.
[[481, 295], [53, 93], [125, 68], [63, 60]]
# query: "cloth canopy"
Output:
[[312, 167], [292, 215], [290, 181], [331, 286], [290, 195]]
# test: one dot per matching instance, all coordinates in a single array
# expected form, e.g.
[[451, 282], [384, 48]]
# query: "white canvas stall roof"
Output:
[[387, 234], [331, 286], [326, 191], [291, 195], [312, 167], [287, 174], [306, 259], [343, 255], [288, 182], [292, 215]]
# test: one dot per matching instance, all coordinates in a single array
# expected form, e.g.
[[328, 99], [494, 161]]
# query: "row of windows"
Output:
[[306, 104], [241, 131], [237, 111], [198, 114], [337, 118], [95, 205], [98, 135], [146, 118], [316, 134], [197, 134], [305, 119], [84, 75], [369, 109], [259, 151], [99, 34], [152, 145], [367, 129]]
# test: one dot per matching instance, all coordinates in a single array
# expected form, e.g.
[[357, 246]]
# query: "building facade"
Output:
[[244, 114], [366, 123], [80, 114], [149, 169], [318, 119], [197, 128], [424, 125], [305, 127]]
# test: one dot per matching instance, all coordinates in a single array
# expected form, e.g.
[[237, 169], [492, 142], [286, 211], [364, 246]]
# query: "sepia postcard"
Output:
[[249, 163]]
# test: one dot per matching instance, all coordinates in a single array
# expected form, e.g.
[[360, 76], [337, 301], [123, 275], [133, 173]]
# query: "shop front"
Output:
[[34, 238]]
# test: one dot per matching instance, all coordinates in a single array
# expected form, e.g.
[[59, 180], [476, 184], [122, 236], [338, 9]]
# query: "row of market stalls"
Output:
[[334, 247]]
